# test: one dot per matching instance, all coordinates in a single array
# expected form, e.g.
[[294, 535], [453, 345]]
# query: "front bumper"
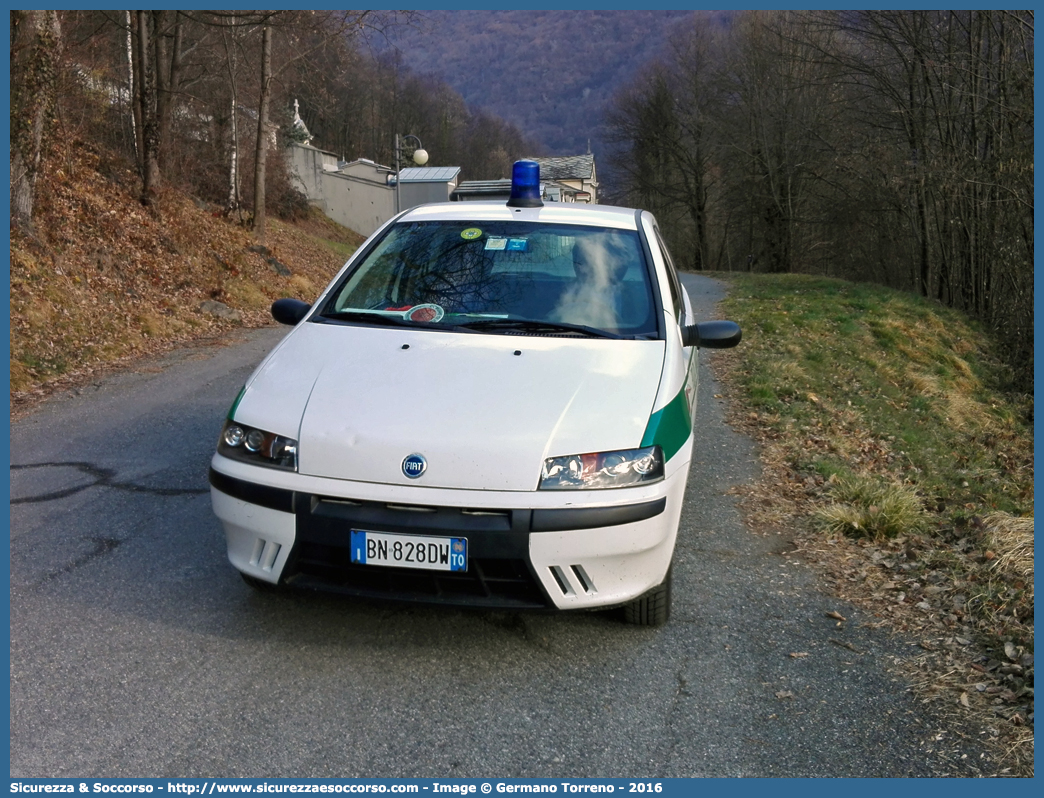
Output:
[[606, 551]]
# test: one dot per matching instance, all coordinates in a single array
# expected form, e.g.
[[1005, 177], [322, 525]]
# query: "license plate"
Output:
[[410, 551]]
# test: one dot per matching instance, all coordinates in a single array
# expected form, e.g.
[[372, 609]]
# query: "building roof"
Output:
[[575, 167], [364, 161], [480, 188], [308, 146], [549, 189], [429, 174]]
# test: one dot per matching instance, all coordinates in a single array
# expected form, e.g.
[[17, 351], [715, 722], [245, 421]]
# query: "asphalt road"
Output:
[[137, 651]]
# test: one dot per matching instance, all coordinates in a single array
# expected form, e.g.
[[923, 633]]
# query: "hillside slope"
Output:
[[105, 279], [895, 462], [550, 73]]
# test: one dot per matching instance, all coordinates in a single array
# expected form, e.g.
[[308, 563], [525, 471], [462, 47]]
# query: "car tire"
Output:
[[653, 608], [260, 585]]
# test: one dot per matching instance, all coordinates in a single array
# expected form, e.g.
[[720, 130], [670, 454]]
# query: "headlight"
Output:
[[256, 446], [603, 469]]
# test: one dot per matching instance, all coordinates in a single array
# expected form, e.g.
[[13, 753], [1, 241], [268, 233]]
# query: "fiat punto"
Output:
[[490, 405]]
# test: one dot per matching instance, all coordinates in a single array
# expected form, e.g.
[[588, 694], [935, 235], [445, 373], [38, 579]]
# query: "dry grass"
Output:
[[870, 507], [1011, 539]]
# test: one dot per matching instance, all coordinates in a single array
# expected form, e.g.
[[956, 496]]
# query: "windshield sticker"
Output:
[[470, 234], [425, 312], [496, 243], [517, 244]]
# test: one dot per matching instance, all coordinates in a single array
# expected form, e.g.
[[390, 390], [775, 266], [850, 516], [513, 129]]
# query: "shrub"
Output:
[[872, 508]]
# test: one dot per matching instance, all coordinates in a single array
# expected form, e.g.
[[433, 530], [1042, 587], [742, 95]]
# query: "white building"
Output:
[[361, 194]]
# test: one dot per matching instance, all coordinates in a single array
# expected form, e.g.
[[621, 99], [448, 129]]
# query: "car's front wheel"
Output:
[[653, 608]]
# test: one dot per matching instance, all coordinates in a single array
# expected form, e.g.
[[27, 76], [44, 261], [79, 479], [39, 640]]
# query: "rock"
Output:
[[279, 268], [214, 308]]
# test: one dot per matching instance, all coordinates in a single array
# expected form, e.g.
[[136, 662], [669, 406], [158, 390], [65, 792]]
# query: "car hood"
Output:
[[483, 410]]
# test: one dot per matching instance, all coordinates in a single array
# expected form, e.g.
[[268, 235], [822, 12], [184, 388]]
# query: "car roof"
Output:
[[553, 212]]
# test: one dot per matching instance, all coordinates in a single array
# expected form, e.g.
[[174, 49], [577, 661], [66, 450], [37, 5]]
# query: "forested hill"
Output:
[[550, 73]]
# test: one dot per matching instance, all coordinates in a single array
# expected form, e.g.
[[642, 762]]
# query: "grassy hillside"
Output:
[[872, 384], [104, 279], [896, 460]]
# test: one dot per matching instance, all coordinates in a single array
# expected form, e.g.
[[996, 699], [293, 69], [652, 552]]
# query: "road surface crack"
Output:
[[97, 477]]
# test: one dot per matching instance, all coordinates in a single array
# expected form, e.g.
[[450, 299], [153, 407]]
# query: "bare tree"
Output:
[[170, 58], [958, 87], [262, 144], [146, 101], [643, 122], [233, 204], [35, 48]]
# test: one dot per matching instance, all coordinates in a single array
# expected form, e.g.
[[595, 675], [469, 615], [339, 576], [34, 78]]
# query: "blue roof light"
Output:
[[525, 185]]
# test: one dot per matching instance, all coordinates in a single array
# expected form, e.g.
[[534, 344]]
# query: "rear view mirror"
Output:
[[289, 311], [712, 334]]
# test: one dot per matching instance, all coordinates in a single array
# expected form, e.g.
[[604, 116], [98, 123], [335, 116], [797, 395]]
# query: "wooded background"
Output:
[[202, 100], [886, 146]]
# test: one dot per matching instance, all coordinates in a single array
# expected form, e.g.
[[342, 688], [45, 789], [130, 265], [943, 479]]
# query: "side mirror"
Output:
[[712, 334], [289, 311]]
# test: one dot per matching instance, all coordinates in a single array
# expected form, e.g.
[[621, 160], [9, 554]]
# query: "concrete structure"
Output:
[[361, 195], [421, 184]]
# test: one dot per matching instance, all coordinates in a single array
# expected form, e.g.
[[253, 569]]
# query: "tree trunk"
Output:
[[135, 119], [168, 80], [35, 42], [150, 171], [262, 134], [233, 206]]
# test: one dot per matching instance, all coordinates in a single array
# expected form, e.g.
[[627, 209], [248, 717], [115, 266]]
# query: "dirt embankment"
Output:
[[104, 279]]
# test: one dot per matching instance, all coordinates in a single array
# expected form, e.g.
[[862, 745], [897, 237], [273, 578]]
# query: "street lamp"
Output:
[[420, 157]]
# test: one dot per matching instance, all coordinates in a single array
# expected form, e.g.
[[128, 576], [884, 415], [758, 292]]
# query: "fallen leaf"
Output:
[[843, 644], [799, 655], [964, 700], [1010, 651], [837, 616], [782, 694]]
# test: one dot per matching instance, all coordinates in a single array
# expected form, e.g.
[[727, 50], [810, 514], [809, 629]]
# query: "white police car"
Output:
[[490, 405]]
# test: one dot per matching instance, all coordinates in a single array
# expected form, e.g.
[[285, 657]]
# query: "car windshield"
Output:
[[502, 277]]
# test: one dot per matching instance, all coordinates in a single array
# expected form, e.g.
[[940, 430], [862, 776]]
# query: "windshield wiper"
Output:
[[372, 317], [536, 327]]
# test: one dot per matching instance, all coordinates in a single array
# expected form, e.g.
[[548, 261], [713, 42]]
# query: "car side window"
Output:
[[672, 277]]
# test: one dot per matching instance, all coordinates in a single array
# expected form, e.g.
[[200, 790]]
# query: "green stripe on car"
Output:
[[670, 426], [235, 404]]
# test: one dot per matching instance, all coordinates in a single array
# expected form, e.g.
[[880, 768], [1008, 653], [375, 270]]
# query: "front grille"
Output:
[[488, 582]]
